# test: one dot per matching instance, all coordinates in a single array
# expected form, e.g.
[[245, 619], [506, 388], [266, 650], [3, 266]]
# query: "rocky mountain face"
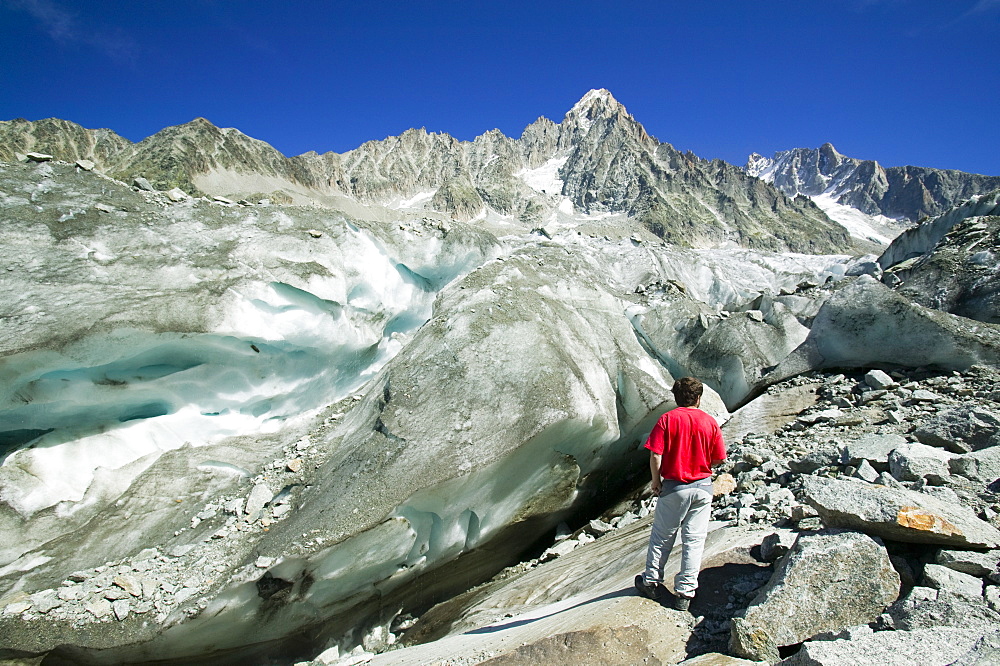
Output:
[[598, 160], [178, 156], [950, 262], [248, 431], [60, 137], [905, 193]]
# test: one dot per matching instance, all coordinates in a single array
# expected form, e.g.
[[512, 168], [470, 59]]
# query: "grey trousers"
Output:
[[687, 508]]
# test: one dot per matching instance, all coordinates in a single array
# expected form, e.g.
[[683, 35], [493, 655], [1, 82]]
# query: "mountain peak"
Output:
[[828, 151], [600, 107], [595, 96], [758, 166], [596, 103], [198, 122]]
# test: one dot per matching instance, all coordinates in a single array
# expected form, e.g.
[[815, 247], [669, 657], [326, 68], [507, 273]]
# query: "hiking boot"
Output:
[[681, 603], [648, 591]]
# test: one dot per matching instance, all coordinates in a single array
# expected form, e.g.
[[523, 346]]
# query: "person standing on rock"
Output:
[[684, 446]]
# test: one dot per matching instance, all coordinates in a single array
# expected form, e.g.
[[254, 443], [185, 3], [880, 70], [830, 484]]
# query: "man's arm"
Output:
[[718, 450], [655, 460]]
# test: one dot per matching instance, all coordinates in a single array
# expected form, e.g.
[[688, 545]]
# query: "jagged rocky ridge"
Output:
[[286, 403], [906, 193], [598, 160]]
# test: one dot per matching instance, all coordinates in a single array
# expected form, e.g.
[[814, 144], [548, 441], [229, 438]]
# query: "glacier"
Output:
[[293, 423], [324, 330]]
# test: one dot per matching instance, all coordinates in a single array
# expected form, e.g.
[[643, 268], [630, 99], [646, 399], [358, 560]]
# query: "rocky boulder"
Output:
[[897, 513], [829, 580], [986, 651], [954, 582], [912, 462], [864, 323], [982, 466], [983, 565], [873, 448], [927, 647], [961, 430], [927, 608]]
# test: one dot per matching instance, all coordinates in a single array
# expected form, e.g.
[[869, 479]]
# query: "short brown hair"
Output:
[[687, 391]]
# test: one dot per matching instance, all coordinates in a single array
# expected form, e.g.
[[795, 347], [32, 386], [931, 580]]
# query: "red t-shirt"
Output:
[[689, 441]]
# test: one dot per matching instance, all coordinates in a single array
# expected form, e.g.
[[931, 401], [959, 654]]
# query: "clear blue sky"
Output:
[[899, 81]]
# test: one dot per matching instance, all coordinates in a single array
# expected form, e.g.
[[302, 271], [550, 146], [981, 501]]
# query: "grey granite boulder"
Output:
[[828, 581], [776, 544], [981, 565], [716, 659], [964, 429], [177, 195], [259, 496], [866, 472], [897, 513], [926, 647], [143, 184], [864, 323], [814, 460], [878, 379], [926, 607], [992, 596], [955, 582], [981, 465], [886, 479], [912, 462], [986, 652], [874, 448]]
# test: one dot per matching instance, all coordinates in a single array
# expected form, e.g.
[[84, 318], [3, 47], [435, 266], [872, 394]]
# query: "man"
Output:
[[684, 446]]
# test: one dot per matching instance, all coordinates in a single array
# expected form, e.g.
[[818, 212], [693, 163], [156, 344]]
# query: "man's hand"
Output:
[[654, 471]]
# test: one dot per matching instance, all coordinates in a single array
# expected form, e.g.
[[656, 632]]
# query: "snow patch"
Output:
[[858, 224], [416, 201], [598, 94], [544, 179]]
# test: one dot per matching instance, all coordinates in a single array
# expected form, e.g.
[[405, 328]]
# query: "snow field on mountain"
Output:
[[418, 200], [858, 224], [545, 178]]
